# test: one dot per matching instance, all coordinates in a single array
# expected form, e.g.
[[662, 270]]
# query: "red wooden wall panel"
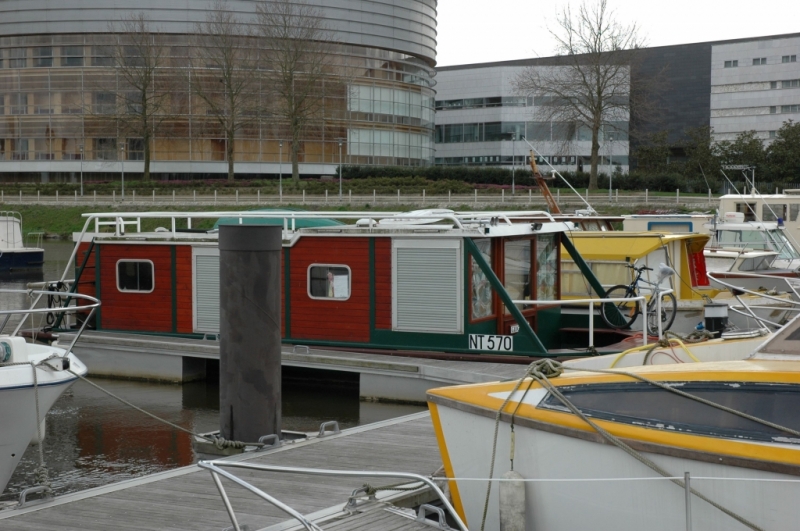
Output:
[[136, 311], [330, 319], [383, 283], [183, 285]]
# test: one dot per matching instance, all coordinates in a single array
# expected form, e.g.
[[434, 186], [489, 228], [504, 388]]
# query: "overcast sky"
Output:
[[478, 31]]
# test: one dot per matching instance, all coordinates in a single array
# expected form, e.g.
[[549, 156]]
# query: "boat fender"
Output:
[[512, 502], [5, 352]]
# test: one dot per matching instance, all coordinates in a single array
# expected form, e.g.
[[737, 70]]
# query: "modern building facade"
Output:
[[755, 86], [482, 121], [732, 86], [57, 62]]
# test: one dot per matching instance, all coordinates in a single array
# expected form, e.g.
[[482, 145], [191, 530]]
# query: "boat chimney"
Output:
[[250, 334]]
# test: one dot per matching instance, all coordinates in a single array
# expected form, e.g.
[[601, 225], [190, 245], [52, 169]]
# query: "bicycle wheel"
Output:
[[668, 310], [619, 314]]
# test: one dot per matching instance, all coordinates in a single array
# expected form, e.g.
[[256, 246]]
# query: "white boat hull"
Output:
[[18, 404], [621, 493]]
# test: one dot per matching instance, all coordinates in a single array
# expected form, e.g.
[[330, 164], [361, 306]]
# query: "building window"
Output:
[[135, 149], [790, 108], [105, 148], [790, 83], [329, 281], [773, 84], [72, 56], [773, 109], [105, 103], [20, 149], [135, 275], [731, 64], [774, 134], [43, 57], [759, 61], [19, 103], [17, 58], [102, 56], [789, 59]]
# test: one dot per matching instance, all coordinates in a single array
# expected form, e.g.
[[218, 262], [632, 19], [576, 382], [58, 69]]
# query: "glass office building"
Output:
[[59, 84]]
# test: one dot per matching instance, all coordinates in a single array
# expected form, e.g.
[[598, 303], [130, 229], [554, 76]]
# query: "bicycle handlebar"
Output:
[[638, 269]]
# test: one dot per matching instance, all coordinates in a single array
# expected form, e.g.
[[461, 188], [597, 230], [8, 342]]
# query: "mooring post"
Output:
[[250, 331]]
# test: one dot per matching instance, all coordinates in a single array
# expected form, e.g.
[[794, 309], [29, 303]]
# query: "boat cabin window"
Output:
[[642, 404], [481, 290], [781, 244], [771, 212], [518, 271], [794, 209], [748, 209], [135, 276], [719, 263], [752, 239], [546, 267], [329, 281]]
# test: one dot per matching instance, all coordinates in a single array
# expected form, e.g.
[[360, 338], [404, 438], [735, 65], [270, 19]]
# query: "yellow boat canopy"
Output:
[[632, 245]]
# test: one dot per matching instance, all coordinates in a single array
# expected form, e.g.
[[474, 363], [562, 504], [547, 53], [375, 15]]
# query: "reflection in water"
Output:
[[93, 440]]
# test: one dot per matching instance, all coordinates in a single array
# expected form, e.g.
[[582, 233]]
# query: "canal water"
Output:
[[93, 440]]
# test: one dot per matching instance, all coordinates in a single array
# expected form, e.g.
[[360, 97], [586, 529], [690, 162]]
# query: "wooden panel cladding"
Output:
[[383, 283], [336, 320], [183, 287], [137, 311]]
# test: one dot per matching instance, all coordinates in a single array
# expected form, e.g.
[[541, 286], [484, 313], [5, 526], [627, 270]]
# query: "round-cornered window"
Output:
[[328, 281], [135, 276]]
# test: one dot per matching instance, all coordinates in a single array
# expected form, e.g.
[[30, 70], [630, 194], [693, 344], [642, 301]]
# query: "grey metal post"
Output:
[[340, 170], [81, 170], [688, 489], [280, 171], [122, 161], [250, 331]]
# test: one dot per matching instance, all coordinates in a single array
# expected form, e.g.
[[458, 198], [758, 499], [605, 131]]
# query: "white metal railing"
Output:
[[216, 469], [641, 299], [747, 310], [91, 306]]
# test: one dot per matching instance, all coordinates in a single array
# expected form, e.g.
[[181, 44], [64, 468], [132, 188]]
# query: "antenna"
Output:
[[559, 174]]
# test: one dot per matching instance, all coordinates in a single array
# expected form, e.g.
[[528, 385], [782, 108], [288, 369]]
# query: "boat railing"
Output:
[[83, 303], [217, 469], [641, 299], [793, 305]]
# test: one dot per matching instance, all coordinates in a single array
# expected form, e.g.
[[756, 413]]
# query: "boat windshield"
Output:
[[784, 248], [761, 240]]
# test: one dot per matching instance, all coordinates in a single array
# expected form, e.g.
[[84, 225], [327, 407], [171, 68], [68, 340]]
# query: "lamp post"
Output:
[[122, 161], [513, 159], [340, 170], [280, 171], [81, 147]]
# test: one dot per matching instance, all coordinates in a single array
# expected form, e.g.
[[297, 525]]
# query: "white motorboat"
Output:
[[32, 377]]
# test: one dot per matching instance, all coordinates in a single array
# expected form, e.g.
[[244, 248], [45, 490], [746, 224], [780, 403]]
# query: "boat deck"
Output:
[[186, 498]]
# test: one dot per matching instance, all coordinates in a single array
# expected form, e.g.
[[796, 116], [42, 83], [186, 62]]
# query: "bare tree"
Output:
[[589, 86], [299, 66], [142, 89], [224, 60]]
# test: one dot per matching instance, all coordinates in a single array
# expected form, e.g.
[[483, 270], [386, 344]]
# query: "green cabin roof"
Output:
[[299, 223]]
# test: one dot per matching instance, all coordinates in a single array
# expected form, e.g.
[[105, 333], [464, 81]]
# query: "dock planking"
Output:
[[186, 498]]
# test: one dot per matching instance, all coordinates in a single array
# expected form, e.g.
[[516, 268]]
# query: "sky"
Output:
[[479, 31]]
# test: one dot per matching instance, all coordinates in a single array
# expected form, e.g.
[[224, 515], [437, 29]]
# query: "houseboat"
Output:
[[458, 283], [14, 255]]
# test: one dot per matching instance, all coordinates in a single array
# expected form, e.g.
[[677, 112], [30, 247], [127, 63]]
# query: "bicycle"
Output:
[[628, 311]]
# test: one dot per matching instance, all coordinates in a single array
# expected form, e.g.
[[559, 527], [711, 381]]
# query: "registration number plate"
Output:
[[491, 342]]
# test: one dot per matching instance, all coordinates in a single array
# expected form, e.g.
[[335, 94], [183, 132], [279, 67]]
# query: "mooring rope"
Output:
[[545, 369]]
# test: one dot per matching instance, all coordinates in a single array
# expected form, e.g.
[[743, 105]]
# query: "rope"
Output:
[[542, 370], [216, 440], [554, 369]]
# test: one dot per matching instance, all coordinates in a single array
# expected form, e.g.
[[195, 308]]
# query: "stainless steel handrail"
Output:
[[215, 468], [91, 307]]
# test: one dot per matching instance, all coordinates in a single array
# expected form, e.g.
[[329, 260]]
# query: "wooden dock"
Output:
[[187, 499]]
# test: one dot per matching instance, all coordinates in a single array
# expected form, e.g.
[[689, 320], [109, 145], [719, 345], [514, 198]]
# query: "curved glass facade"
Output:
[[57, 92]]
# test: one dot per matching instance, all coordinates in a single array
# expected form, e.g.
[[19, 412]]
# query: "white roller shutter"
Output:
[[427, 286], [206, 290]]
